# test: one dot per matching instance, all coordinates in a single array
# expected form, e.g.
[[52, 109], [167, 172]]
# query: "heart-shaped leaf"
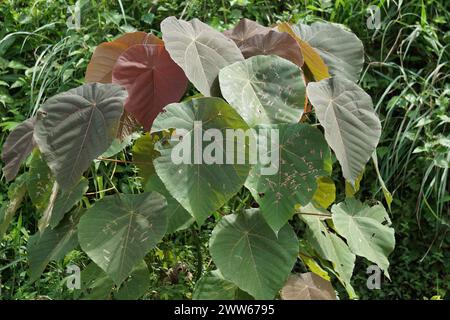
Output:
[[352, 129], [307, 286], [366, 230], [248, 253], [101, 66], [341, 50], [105, 55], [264, 90], [75, 127], [18, 145], [244, 30], [200, 51], [117, 231], [301, 151], [203, 184], [152, 80]]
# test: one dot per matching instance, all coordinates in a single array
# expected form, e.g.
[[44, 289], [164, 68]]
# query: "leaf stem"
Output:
[[121, 161], [314, 214]]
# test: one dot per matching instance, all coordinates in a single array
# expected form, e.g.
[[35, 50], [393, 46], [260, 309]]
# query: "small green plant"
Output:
[[294, 83]]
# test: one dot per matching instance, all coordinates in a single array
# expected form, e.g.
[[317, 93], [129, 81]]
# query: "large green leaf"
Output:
[[178, 218], [52, 244], [251, 255], [18, 145], [332, 248], [352, 128], [213, 286], [341, 50], [302, 152], [74, 127], [200, 51], [200, 186], [117, 231], [264, 90], [366, 230]]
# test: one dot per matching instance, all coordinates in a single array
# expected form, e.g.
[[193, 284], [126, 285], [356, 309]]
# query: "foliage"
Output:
[[59, 66]]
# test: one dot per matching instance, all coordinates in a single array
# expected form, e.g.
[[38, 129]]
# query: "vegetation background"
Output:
[[406, 73]]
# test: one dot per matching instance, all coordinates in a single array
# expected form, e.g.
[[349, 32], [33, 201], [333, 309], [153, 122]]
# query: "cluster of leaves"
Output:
[[267, 76], [47, 58]]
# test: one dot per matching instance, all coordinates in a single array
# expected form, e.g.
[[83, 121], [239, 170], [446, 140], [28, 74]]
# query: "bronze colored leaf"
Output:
[[152, 80], [17, 147], [307, 286], [273, 42], [245, 30], [101, 65], [105, 55]]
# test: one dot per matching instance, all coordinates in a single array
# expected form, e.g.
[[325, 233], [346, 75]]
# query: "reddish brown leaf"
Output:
[[244, 30], [273, 42], [105, 55], [254, 39], [152, 80], [307, 286]]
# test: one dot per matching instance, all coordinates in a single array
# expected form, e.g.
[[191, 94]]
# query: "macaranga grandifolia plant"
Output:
[[300, 80]]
